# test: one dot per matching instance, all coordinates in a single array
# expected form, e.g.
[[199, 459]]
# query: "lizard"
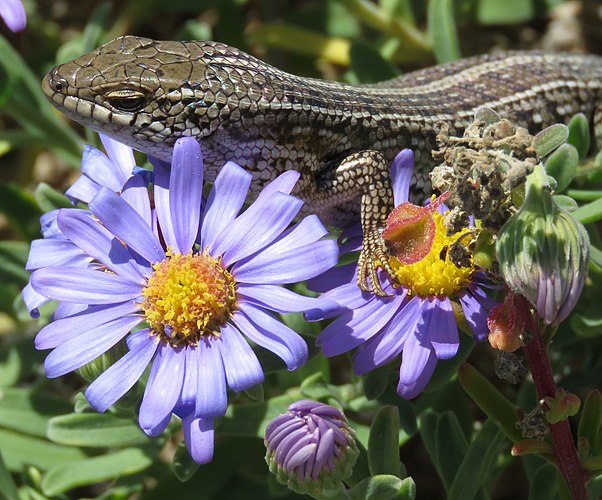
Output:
[[340, 137]]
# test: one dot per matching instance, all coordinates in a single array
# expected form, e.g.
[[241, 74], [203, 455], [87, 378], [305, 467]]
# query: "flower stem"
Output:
[[568, 462]]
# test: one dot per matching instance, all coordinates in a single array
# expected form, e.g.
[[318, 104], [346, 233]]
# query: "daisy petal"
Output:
[[121, 376], [63, 330], [100, 169], [266, 331], [122, 157], [33, 300], [190, 385], [163, 387], [83, 286], [87, 346], [401, 173], [440, 327], [198, 434], [46, 253], [13, 14], [284, 183], [186, 191], [226, 198], [83, 189], [294, 265], [211, 396], [476, 315], [161, 171], [97, 242], [125, 223], [135, 192], [280, 299], [256, 227], [409, 390], [416, 354], [240, 362]]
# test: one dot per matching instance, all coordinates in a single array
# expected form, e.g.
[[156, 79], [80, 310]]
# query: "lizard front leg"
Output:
[[364, 174]]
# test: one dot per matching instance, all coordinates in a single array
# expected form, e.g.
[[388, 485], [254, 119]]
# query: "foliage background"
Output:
[[53, 446]]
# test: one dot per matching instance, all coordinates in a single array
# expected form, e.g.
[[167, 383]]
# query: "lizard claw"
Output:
[[373, 256]]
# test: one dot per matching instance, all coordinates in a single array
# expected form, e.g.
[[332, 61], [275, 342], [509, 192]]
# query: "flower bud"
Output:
[[543, 252], [311, 448]]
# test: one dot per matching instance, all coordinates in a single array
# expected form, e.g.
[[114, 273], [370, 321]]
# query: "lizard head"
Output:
[[142, 92]]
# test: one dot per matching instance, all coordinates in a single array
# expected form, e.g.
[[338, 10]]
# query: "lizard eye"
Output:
[[127, 100]]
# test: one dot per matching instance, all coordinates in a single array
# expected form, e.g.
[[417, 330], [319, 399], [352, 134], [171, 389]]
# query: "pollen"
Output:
[[188, 297], [434, 275]]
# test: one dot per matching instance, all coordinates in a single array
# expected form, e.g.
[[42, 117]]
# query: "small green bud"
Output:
[[543, 252], [97, 366]]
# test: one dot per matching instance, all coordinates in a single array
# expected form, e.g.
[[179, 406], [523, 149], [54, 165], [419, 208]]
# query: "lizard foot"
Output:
[[373, 256]]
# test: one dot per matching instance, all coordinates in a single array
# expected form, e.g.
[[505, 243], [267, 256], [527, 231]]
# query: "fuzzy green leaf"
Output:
[[562, 165], [579, 134], [550, 138]]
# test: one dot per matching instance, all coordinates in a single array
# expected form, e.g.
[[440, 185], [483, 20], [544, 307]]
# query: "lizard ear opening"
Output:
[[127, 100]]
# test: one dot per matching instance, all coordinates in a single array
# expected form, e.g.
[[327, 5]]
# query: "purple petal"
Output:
[[226, 198], [401, 175], [66, 309], [163, 387], [409, 390], [389, 342], [33, 300], [280, 299], [294, 265], [83, 286], [268, 332], [122, 157], [162, 206], [98, 167], [440, 327], [284, 183], [83, 189], [125, 223], [87, 346], [308, 230], [240, 362], [65, 329], [256, 228], [211, 396], [324, 452], [198, 434], [96, 241], [334, 277], [356, 326], [416, 355], [475, 314], [186, 190], [13, 14], [121, 376], [190, 385], [46, 253], [135, 192]]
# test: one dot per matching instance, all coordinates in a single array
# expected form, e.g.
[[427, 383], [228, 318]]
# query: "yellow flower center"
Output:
[[188, 296], [434, 275]]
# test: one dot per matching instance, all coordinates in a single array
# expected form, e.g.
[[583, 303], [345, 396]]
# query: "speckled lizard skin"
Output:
[[147, 93]]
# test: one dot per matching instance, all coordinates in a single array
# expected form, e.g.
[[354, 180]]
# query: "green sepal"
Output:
[[590, 423], [383, 444], [384, 487], [579, 134], [495, 405]]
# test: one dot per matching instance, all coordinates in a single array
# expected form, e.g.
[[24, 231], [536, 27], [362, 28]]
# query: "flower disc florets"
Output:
[[188, 296]]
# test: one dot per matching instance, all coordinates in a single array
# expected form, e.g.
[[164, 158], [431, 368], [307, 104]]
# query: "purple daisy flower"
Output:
[[13, 13], [192, 283], [417, 317], [311, 448]]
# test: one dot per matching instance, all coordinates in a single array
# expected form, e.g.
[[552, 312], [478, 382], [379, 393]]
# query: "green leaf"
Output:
[[21, 209], [447, 369], [506, 12], [592, 212], [442, 30], [13, 256], [49, 198], [565, 203], [543, 484], [475, 469], [562, 165], [550, 138], [490, 400], [95, 430], [590, 422], [376, 381], [8, 489], [184, 466], [596, 255], [383, 487], [369, 66], [95, 470], [383, 445], [587, 324], [20, 450], [579, 134], [29, 412], [451, 447]]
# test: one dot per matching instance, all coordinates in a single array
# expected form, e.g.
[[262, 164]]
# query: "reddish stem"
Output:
[[562, 439]]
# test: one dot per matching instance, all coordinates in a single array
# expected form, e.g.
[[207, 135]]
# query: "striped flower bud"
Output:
[[311, 448], [543, 252]]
